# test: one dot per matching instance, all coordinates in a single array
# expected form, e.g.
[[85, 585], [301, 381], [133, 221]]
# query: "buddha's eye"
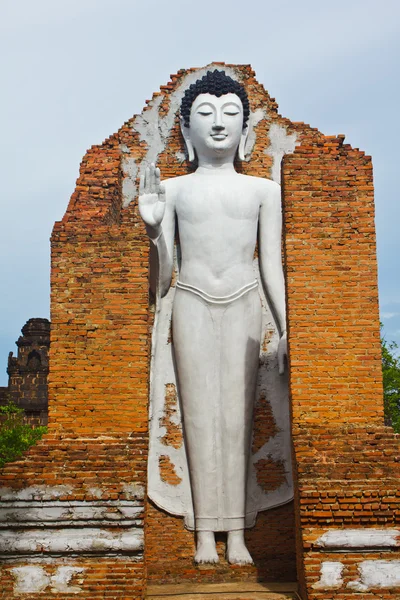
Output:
[[231, 113], [204, 113]]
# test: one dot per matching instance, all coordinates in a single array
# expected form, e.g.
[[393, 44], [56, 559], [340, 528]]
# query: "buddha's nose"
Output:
[[218, 124]]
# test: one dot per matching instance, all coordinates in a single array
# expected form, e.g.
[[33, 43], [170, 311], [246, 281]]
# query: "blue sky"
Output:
[[74, 70]]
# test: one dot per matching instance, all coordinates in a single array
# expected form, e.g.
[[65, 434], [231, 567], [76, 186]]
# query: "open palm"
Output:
[[152, 198]]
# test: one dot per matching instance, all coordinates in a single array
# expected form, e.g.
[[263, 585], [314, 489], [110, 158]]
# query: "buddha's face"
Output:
[[216, 124]]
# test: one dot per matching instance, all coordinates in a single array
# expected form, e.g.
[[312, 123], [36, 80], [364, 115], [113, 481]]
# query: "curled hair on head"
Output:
[[216, 83]]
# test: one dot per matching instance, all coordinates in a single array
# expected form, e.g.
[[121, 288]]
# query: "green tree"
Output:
[[391, 383], [16, 435]]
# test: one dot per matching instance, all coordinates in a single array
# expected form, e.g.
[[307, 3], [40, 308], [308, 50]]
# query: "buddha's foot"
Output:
[[237, 553], [206, 551]]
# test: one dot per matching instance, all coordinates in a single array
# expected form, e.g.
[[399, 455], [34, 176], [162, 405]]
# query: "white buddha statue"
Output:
[[216, 315]]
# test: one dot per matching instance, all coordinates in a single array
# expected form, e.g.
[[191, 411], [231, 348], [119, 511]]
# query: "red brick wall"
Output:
[[99, 352], [347, 463], [99, 373], [333, 316], [91, 469], [103, 578]]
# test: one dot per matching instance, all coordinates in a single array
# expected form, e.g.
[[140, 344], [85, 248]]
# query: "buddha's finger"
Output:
[[152, 179], [161, 192], [147, 181], [157, 180]]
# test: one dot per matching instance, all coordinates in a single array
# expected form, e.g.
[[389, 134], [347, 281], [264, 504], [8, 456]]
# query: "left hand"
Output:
[[282, 353]]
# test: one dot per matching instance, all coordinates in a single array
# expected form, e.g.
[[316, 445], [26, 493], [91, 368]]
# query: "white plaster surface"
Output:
[[331, 575], [56, 559], [180, 156], [360, 538], [133, 491], [87, 539], [35, 492], [129, 170], [34, 579], [281, 143], [377, 574], [254, 119], [96, 492], [45, 493], [30, 579], [47, 512], [61, 580]]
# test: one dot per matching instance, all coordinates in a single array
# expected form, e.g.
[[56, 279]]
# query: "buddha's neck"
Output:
[[215, 167]]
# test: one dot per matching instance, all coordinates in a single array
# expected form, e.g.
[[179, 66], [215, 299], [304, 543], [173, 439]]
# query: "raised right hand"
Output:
[[152, 199]]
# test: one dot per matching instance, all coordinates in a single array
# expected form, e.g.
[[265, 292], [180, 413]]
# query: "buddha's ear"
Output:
[[186, 136], [242, 143]]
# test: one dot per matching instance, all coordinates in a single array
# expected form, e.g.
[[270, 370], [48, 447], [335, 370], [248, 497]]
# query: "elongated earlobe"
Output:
[[242, 144], [189, 145]]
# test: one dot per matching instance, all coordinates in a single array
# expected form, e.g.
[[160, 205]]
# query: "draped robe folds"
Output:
[[174, 495]]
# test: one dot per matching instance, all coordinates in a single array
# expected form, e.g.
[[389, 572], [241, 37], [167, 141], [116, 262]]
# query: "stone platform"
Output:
[[224, 591]]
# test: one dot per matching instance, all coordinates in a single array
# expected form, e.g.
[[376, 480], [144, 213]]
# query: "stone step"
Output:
[[224, 591]]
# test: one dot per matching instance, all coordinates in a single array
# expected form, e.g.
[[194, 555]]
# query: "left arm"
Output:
[[270, 257]]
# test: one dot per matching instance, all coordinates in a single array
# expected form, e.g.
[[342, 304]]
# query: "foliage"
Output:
[[16, 435], [391, 384]]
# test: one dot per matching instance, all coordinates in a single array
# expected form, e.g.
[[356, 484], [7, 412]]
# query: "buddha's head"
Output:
[[214, 115]]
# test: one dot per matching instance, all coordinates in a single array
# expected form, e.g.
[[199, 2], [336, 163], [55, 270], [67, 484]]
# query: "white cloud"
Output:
[[18, 14]]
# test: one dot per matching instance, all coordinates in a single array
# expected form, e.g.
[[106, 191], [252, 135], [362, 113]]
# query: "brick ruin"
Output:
[[75, 518], [28, 371]]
